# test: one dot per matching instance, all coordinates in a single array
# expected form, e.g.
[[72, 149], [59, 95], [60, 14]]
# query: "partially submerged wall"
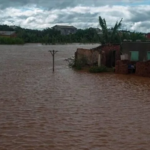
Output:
[[109, 54], [122, 66], [90, 55], [143, 68]]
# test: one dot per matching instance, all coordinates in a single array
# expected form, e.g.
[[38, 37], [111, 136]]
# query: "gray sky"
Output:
[[40, 14]]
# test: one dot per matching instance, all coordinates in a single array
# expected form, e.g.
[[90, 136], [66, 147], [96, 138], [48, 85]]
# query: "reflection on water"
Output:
[[68, 110]]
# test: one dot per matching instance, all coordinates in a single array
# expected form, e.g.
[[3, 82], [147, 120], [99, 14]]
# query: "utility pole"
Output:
[[53, 52]]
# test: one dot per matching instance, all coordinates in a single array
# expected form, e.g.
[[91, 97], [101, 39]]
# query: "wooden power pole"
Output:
[[53, 52]]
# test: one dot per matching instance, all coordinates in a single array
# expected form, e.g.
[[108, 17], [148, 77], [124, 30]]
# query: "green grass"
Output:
[[96, 69]]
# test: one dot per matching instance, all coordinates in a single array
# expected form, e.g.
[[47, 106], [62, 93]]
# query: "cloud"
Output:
[[41, 14], [139, 14], [60, 4]]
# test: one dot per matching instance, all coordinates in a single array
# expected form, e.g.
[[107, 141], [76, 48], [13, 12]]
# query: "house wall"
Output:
[[108, 58], [8, 34], [148, 36], [65, 30], [13, 35], [90, 55], [143, 69], [121, 66], [141, 47]]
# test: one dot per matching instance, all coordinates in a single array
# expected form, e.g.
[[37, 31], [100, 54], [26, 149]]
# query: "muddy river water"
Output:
[[67, 109]]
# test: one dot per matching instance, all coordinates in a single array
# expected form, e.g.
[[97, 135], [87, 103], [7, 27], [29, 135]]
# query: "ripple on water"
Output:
[[41, 110]]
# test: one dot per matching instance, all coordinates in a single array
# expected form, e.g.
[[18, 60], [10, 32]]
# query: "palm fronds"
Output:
[[109, 37]]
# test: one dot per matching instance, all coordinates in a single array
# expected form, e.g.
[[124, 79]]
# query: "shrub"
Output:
[[79, 63], [96, 69]]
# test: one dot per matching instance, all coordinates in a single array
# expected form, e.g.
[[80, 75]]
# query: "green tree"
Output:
[[110, 36]]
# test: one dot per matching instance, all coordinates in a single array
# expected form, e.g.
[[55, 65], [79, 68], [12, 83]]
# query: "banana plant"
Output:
[[109, 36]]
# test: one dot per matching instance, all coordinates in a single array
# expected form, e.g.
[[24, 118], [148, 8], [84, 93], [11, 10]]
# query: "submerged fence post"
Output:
[[53, 52]]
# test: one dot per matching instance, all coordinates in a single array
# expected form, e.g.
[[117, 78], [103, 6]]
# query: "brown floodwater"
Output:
[[67, 109]]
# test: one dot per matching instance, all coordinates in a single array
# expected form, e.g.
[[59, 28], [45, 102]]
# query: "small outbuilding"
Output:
[[102, 55]]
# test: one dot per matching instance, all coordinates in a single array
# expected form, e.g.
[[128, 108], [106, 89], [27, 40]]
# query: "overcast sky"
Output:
[[40, 14]]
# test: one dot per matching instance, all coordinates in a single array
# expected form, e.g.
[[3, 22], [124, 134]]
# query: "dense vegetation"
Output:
[[51, 36]]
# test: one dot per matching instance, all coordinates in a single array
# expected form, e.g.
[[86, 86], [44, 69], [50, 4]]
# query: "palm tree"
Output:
[[109, 36]]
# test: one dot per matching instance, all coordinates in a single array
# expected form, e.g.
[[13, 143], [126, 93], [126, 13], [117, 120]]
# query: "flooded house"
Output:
[[136, 54], [102, 55], [136, 51], [130, 57]]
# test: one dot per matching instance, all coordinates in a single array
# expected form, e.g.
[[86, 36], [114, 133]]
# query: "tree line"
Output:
[[52, 36]]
